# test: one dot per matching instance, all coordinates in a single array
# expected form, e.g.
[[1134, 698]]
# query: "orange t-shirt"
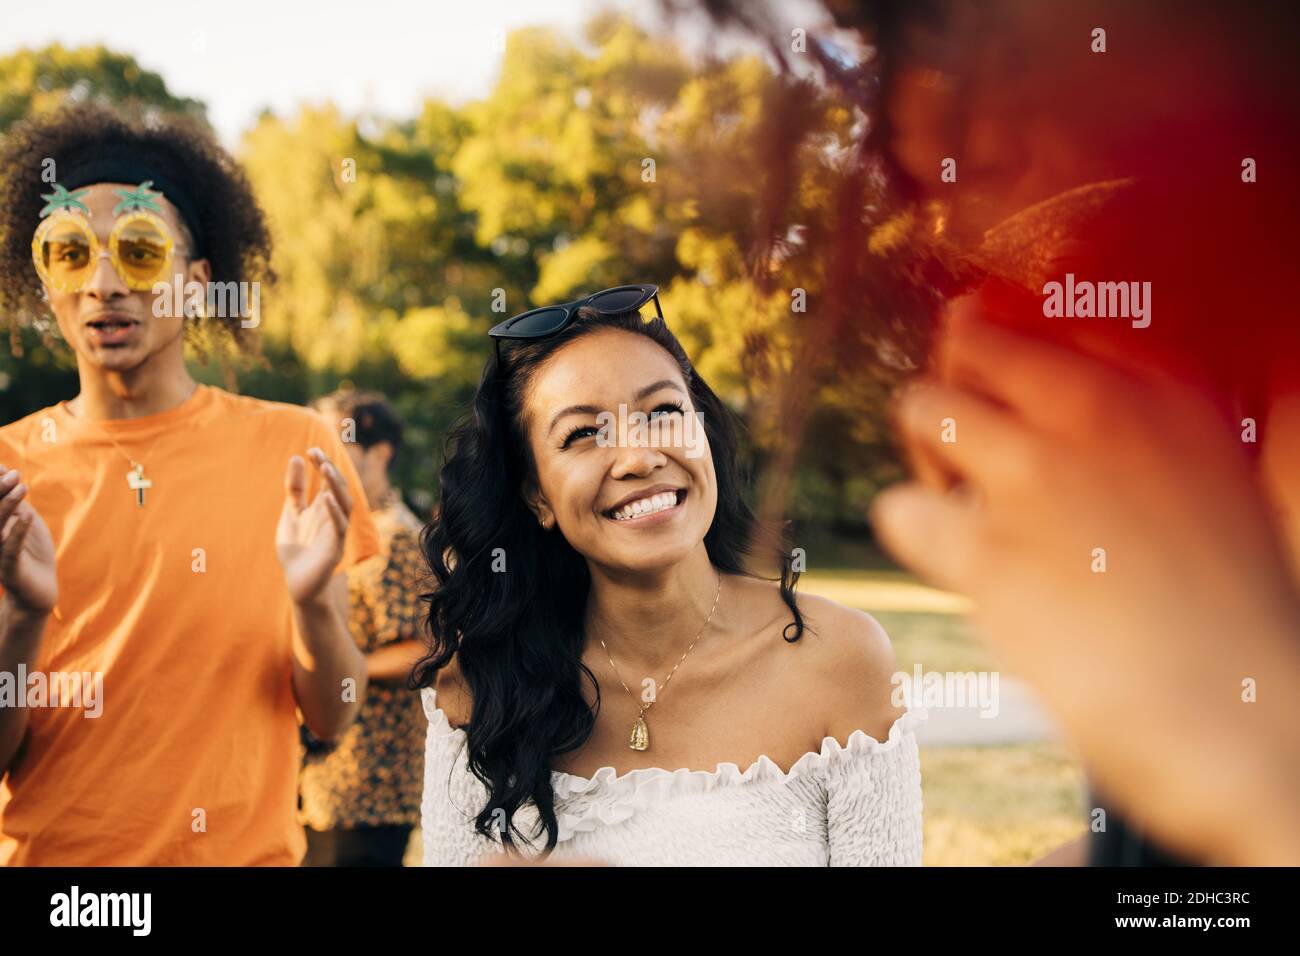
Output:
[[181, 605]]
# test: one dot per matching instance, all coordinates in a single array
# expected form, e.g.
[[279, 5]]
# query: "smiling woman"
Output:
[[573, 558]]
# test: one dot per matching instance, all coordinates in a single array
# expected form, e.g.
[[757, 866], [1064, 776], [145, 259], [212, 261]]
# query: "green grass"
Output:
[[999, 805], [938, 642], [926, 626]]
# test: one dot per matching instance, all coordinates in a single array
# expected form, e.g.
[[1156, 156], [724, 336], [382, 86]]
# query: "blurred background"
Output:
[[429, 172]]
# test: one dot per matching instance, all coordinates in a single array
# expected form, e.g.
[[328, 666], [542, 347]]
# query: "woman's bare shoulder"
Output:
[[849, 668], [453, 694]]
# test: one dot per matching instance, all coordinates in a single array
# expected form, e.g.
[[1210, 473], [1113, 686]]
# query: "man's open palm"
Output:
[[309, 538], [26, 548]]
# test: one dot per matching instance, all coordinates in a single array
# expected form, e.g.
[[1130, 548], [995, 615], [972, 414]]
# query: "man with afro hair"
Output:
[[171, 554]]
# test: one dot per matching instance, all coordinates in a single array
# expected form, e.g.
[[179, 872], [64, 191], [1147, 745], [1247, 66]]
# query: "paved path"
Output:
[[1020, 718]]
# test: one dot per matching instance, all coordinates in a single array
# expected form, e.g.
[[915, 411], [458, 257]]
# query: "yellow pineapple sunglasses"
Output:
[[65, 249]]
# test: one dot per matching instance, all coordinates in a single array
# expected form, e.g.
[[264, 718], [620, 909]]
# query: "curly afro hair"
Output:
[[237, 243]]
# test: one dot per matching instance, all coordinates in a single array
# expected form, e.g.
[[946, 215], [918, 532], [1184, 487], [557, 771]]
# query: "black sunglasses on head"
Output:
[[550, 319]]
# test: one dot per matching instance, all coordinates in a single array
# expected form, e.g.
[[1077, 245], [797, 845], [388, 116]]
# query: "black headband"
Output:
[[133, 170]]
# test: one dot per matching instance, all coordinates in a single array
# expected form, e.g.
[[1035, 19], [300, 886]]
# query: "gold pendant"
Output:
[[640, 735]]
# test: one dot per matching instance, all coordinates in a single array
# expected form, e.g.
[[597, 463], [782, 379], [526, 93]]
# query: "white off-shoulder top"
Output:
[[852, 805]]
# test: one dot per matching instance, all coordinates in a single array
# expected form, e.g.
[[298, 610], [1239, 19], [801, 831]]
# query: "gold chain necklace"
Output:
[[640, 739]]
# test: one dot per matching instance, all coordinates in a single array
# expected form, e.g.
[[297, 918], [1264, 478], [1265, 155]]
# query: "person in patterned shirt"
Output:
[[360, 795]]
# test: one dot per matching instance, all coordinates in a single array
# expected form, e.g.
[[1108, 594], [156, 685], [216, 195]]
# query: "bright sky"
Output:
[[240, 56]]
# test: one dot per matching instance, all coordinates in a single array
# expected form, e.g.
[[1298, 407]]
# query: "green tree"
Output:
[[34, 81], [595, 161]]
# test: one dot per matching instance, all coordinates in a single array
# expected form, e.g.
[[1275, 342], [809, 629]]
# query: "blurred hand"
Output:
[[27, 571], [1061, 463], [309, 539]]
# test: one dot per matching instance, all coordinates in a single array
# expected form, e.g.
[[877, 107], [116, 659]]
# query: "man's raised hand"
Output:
[[309, 538], [26, 548]]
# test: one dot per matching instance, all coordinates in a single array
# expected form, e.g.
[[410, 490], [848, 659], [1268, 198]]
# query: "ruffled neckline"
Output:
[[612, 797]]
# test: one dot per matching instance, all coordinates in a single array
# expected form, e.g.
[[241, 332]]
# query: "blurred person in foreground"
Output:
[[1164, 446], [361, 793]]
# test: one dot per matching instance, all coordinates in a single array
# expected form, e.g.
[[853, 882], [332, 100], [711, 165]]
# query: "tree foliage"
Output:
[[595, 161]]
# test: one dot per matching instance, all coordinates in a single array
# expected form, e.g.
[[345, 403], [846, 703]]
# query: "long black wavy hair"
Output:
[[518, 636]]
